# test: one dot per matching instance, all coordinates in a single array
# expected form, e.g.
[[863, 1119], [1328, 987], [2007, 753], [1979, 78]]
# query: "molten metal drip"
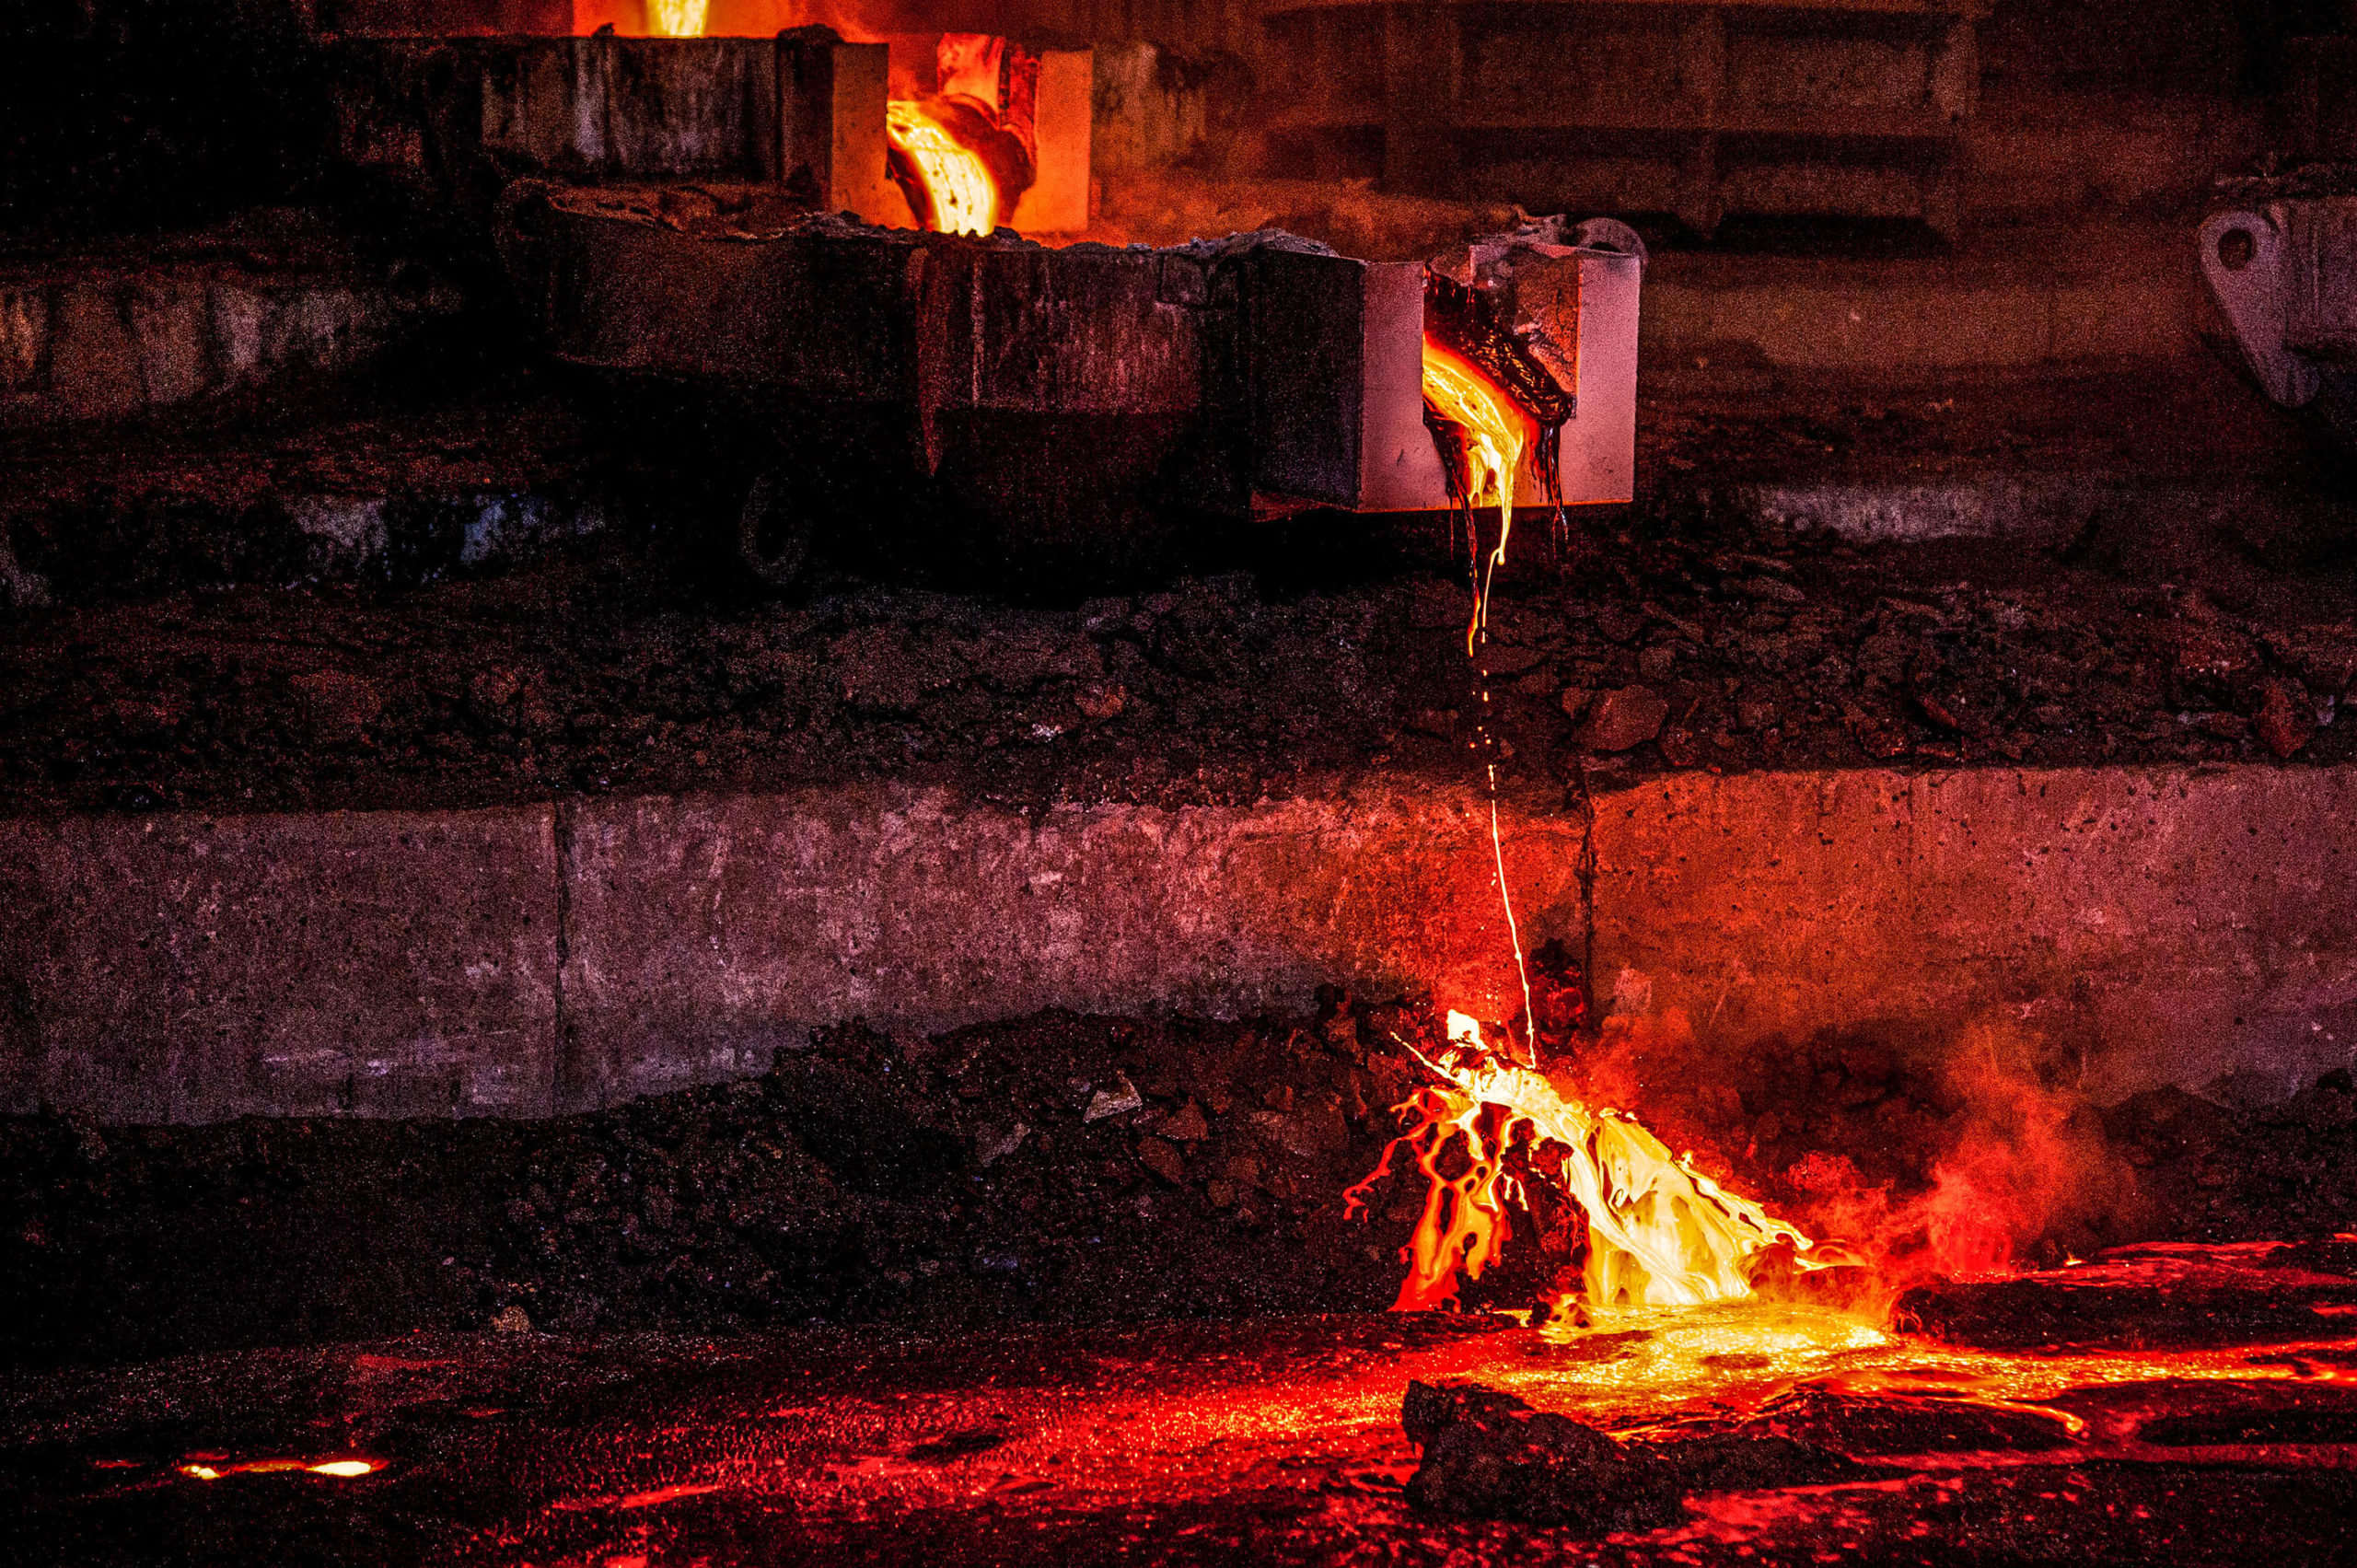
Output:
[[961, 198], [1660, 1232], [1493, 432], [342, 1470], [676, 18]]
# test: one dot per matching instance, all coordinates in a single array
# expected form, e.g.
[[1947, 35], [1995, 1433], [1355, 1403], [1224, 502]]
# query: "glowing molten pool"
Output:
[[1495, 432], [1660, 1232], [961, 196], [676, 18], [343, 1470]]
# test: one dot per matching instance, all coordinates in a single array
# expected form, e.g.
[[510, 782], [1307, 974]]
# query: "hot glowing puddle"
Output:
[[340, 1469], [952, 185], [1648, 1366], [880, 1440]]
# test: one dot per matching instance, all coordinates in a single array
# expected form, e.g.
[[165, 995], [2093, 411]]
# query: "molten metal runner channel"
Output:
[[960, 195]]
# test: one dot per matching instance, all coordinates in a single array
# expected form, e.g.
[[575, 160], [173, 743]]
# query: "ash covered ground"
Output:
[[1656, 650], [1056, 1169], [1673, 636]]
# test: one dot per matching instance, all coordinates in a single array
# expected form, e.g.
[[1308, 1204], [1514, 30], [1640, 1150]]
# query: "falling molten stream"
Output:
[[676, 18], [1494, 433], [1659, 1232], [961, 196]]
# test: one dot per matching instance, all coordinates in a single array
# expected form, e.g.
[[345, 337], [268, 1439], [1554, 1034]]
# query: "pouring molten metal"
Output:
[[1660, 1232], [676, 18], [1491, 432], [953, 189]]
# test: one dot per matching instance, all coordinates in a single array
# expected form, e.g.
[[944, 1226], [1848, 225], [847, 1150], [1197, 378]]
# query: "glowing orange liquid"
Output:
[[1660, 1232], [676, 18], [964, 197], [1496, 431]]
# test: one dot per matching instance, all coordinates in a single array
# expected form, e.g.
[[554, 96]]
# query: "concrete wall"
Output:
[[2173, 927], [85, 342], [2179, 927], [186, 969]]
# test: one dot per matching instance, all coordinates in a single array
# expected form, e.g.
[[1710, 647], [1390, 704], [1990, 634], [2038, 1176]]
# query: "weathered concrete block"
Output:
[[835, 321], [94, 358], [1054, 332], [804, 109], [928, 323], [89, 343], [445, 18], [1327, 374], [831, 119], [189, 969], [24, 340], [2165, 927], [707, 932], [170, 328], [625, 105], [2177, 926], [1154, 108], [1793, 890], [2024, 507]]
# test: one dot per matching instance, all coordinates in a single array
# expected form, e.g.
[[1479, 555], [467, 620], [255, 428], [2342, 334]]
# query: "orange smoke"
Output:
[[2013, 1166]]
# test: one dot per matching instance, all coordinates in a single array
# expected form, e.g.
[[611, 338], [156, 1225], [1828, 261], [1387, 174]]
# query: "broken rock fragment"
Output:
[[1163, 1159], [1187, 1125], [2283, 723], [1620, 720], [1488, 1455]]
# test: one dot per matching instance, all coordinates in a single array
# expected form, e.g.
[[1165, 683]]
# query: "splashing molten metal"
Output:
[[961, 196], [1660, 1232]]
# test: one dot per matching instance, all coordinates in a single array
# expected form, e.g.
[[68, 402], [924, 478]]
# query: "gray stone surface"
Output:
[[2029, 507], [2177, 926], [707, 933], [189, 969], [92, 342]]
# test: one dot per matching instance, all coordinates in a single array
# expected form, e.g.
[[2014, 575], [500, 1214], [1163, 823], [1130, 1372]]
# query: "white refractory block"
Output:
[[831, 112], [1337, 355]]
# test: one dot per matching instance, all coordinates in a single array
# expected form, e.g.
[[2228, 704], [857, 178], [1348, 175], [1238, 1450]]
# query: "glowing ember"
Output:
[[341, 1469], [1660, 1232], [960, 197], [676, 18], [1494, 433]]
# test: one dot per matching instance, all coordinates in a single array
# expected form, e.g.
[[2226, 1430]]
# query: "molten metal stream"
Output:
[[1495, 434], [963, 197], [676, 18], [1493, 431], [1660, 1232]]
